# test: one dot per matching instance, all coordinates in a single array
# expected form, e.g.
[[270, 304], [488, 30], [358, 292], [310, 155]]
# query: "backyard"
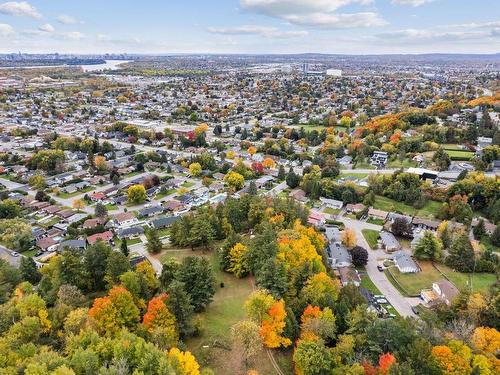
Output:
[[410, 284], [430, 209]]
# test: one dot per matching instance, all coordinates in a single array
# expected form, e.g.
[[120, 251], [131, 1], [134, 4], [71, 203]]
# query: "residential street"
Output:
[[400, 303]]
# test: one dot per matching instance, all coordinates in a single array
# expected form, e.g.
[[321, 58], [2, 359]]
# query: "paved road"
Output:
[[401, 304], [6, 255], [140, 248]]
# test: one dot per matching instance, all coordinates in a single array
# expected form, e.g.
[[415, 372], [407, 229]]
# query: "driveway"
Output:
[[400, 303]]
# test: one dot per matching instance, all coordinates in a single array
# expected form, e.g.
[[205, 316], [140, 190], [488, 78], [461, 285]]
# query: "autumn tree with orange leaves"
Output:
[[160, 322]]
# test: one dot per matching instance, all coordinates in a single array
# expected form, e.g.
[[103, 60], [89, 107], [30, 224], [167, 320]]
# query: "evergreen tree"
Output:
[[29, 271], [292, 179], [96, 261], [479, 230], [442, 159], [428, 247], [196, 274], [154, 245], [461, 255], [179, 303], [495, 236], [281, 173], [100, 210], [124, 247], [252, 188], [272, 277]]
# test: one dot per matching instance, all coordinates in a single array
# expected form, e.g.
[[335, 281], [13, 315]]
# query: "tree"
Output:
[[101, 163], [349, 238], [281, 173], [461, 255], [124, 247], [359, 256], [16, 234], [100, 210], [195, 169], [428, 247], [117, 264], [312, 357], [268, 163], [29, 271], [196, 274], [321, 290], [238, 263], [453, 359], [160, 322], [109, 314], [154, 245], [37, 182], [179, 302], [402, 227], [272, 326], [96, 263], [234, 180], [292, 179], [245, 334], [9, 209], [441, 159], [137, 194], [78, 204], [185, 362]]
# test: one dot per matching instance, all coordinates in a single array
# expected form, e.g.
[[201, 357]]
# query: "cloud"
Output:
[[268, 32], [68, 20], [315, 13], [23, 8], [413, 3], [47, 28], [6, 30], [72, 35]]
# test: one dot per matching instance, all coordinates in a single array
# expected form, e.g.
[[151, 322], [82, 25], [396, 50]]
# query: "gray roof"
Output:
[[130, 231], [403, 260], [389, 240], [73, 244], [339, 253], [332, 233], [164, 222]]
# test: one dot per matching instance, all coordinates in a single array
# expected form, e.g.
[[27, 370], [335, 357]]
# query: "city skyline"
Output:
[[250, 26]]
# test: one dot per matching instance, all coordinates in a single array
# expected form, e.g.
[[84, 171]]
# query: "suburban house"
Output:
[[379, 214], [91, 223], [73, 244], [97, 196], [332, 233], [47, 244], [163, 222], [130, 232], [405, 263], [299, 195], [425, 224], [349, 275], [338, 255], [105, 237], [355, 208], [151, 211], [389, 242], [379, 159], [442, 290], [332, 203], [316, 218], [125, 219]]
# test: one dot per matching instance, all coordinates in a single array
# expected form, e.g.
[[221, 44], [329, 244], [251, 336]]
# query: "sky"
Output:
[[250, 26]]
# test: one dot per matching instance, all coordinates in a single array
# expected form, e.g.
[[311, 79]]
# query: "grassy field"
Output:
[[371, 237], [187, 184], [397, 163], [412, 284], [213, 348], [331, 211], [430, 209], [452, 147], [460, 155], [353, 174], [375, 220]]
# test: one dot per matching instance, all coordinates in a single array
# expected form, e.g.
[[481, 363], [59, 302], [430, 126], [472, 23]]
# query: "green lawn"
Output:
[[331, 211], [76, 193], [430, 209], [131, 242], [481, 282], [371, 236], [375, 220], [452, 147], [412, 284], [460, 155], [111, 207], [187, 184], [165, 194], [353, 174], [486, 242], [397, 163], [368, 284], [29, 253]]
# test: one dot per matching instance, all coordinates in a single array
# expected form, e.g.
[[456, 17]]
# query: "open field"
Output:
[[371, 236], [430, 209], [213, 348], [412, 284]]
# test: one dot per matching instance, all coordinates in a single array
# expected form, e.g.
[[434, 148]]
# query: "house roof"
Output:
[[73, 244], [448, 290], [163, 222], [378, 213], [389, 240], [124, 216], [348, 274], [130, 231], [105, 236], [45, 243], [339, 253], [403, 260]]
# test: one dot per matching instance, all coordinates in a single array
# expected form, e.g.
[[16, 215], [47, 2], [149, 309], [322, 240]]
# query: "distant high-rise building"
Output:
[[305, 68]]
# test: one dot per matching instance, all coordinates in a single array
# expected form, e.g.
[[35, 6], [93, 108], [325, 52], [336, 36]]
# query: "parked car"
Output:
[[381, 300], [380, 268], [415, 310]]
